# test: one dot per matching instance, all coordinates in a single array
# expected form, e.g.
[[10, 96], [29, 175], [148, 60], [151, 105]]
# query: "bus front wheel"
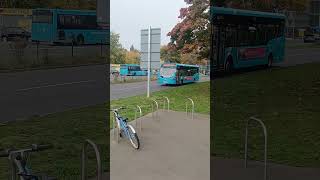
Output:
[[270, 61], [229, 66], [80, 40]]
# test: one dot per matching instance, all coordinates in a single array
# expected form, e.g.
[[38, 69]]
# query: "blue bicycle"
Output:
[[125, 129], [20, 167]]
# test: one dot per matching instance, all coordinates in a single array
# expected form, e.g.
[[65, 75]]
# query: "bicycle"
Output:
[[19, 163], [125, 129]]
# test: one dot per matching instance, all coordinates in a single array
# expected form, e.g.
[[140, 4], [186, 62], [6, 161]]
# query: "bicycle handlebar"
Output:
[[4, 153], [34, 148], [115, 110]]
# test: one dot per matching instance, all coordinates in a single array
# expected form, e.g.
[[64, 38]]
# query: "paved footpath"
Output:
[[172, 147], [233, 169]]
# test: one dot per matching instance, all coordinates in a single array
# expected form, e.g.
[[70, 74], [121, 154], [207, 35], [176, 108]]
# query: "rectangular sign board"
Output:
[[155, 48]]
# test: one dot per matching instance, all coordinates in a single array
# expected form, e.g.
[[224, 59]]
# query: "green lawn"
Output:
[[68, 130], [287, 100], [199, 92]]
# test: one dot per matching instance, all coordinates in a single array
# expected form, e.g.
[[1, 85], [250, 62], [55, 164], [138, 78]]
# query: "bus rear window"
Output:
[[42, 16]]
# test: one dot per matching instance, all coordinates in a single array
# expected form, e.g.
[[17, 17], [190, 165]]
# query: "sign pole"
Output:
[[149, 61]]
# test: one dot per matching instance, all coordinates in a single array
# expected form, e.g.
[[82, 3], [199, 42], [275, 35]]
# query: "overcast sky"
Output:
[[128, 17]]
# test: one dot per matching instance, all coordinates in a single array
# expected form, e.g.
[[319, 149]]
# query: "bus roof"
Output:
[[240, 12], [70, 11], [130, 64], [177, 64]]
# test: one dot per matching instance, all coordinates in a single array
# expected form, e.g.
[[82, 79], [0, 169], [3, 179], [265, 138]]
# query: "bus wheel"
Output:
[[229, 66], [80, 40], [270, 61]]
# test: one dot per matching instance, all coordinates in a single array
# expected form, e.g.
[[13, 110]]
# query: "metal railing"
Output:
[[155, 113], [192, 108], [265, 144], [84, 159], [168, 103], [115, 129], [136, 117]]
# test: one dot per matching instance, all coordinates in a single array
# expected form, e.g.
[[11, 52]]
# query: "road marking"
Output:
[[54, 85]]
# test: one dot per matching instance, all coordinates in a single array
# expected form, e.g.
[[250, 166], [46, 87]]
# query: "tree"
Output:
[[132, 48], [169, 54], [63, 4], [265, 5], [190, 36], [117, 52], [132, 57]]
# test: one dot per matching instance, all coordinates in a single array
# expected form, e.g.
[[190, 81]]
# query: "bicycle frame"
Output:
[[122, 125], [20, 165]]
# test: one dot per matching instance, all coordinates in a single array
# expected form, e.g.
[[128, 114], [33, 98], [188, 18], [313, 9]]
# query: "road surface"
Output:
[[40, 92]]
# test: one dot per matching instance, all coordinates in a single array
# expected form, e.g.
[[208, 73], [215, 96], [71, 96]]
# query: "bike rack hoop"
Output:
[[84, 158], [157, 106], [265, 144], [192, 110], [168, 103], [138, 109]]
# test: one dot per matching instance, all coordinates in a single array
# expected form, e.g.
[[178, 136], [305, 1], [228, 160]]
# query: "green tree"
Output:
[[190, 36], [132, 57], [169, 54], [117, 52]]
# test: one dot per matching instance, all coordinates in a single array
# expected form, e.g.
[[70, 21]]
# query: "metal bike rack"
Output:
[[84, 158], [192, 110], [168, 103], [13, 169], [157, 105], [135, 117], [115, 130], [265, 144]]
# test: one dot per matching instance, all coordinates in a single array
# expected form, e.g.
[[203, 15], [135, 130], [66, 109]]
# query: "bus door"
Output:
[[220, 47]]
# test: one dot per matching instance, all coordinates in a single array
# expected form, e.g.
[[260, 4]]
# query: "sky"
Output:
[[128, 17]]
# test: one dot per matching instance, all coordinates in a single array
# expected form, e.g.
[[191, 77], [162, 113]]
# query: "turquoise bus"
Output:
[[243, 38], [67, 26], [132, 70], [178, 74]]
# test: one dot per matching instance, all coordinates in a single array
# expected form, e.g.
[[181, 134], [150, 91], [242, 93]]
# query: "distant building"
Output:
[[16, 18], [299, 22], [314, 13]]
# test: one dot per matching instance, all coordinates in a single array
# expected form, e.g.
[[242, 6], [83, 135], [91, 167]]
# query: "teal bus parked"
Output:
[[67, 26], [178, 74], [132, 70], [243, 38]]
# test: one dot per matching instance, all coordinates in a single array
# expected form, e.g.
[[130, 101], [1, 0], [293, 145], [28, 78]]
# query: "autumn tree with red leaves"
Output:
[[190, 37]]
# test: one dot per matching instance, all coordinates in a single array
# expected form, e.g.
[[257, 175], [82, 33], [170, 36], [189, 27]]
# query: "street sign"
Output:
[[154, 47]]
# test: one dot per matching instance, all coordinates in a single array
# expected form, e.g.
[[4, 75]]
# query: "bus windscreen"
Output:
[[168, 71]]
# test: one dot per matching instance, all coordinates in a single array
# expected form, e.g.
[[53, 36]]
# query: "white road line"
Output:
[[54, 85]]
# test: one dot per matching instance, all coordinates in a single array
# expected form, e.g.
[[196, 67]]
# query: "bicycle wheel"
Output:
[[133, 137]]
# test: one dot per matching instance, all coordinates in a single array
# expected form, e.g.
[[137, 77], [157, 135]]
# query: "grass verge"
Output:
[[288, 102], [66, 131], [199, 92]]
